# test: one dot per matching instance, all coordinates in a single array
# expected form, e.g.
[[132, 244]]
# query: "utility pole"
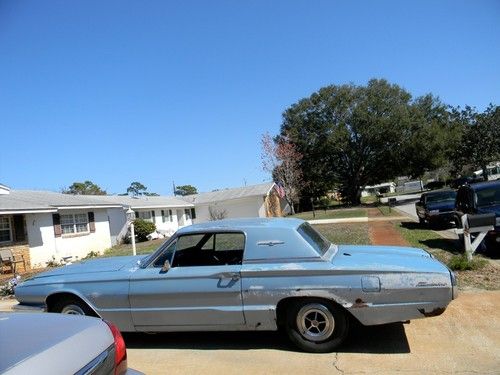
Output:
[[173, 186]]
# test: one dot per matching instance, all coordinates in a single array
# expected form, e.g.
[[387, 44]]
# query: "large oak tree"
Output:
[[351, 136]]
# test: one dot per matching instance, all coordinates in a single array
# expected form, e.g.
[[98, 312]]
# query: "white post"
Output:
[[130, 219], [132, 234]]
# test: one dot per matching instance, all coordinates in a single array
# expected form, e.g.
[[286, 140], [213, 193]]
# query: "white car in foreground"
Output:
[[35, 343]]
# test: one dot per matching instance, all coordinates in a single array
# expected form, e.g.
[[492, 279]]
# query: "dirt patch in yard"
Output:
[[487, 277], [383, 232]]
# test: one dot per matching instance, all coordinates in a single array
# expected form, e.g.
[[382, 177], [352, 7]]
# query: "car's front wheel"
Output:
[[316, 325], [72, 306]]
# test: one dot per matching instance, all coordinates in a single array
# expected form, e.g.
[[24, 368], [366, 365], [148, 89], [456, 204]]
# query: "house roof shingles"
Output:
[[32, 200], [144, 201], [228, 194], [18, 200]]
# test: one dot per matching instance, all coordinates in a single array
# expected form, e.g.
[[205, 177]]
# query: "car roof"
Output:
[[485, 185], [244, 223]]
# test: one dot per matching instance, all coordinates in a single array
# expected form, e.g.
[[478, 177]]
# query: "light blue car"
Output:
[[250, 274]]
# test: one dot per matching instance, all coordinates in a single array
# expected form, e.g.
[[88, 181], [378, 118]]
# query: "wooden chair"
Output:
[[7, 258]]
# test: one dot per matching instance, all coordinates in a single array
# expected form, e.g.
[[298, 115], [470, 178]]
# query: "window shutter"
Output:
[[170, 215], [91, 222], [136, 215], [162, 216], [56, 220], [152, 216], [19, 228], [193, 213]]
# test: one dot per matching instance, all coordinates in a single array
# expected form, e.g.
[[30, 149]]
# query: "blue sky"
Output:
[[162, 91]]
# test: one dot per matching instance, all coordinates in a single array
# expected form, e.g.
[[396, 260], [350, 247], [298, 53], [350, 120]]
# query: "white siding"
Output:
[[43, 244], [117, 224], [168, 227], [235, 208]]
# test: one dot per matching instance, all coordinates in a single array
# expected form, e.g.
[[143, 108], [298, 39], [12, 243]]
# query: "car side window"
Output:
[[166, 255], [209, 249]]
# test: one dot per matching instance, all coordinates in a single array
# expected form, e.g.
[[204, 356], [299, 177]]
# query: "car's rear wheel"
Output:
[[316, 325], [72, 306]]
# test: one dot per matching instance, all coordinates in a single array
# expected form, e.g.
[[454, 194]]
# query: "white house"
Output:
[[387, 187], [167, 213], [40, 225], [261, 200]]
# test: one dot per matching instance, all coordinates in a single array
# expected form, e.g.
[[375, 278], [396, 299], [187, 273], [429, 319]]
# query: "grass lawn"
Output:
[[444, 249], [141, 247], [388, 211], [369, 199], [332, 214], [345, 233]]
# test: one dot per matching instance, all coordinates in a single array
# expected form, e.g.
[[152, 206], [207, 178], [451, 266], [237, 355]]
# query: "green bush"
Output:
[[323, 203], [460, 263], [143, 228]]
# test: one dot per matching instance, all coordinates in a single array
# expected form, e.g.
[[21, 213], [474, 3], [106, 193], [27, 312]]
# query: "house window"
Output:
[[193, 213], [74, 223], [145, 215], [187, 212], [166, 215], [171, 216], [5, 229]]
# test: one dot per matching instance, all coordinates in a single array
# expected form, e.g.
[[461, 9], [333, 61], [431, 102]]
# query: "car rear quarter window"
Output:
[[314, 238], [229, 241]]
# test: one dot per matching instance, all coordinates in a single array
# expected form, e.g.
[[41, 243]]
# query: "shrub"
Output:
[[92, 254], [461, 263], [143, 228], [8, 288], [324, 203], [53, 262]]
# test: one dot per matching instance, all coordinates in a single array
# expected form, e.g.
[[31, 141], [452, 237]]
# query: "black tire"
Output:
[[421, 221], [316, 325], [72, 306]]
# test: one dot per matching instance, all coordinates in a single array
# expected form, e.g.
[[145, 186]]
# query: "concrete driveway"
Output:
[[465, 340]]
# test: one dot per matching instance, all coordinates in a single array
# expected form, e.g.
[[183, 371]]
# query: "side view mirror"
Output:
[[166, 266]]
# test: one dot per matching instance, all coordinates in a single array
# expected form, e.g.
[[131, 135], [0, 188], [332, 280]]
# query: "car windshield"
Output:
[[314, 238], [488, 197], [444, 196]]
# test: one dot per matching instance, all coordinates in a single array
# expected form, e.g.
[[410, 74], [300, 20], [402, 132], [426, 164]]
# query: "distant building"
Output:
[[43, 225], [262, 200], [386, 187]]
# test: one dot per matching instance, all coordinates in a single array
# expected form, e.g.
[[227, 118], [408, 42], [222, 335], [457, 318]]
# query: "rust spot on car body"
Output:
[[436, 312], [359, 303]]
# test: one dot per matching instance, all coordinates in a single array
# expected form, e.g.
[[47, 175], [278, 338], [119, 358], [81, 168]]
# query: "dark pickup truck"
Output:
[[436, 207], [480, 198]]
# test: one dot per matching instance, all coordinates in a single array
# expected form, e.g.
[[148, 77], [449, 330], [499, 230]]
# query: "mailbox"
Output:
[[481, 220], [392, 202]]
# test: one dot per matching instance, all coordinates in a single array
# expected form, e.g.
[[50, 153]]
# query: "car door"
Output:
[[201, 288]]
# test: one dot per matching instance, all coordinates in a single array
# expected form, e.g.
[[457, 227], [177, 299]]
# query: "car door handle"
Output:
[[228, 275]]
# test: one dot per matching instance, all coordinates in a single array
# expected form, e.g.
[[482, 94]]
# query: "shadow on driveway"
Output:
[[383, 339]]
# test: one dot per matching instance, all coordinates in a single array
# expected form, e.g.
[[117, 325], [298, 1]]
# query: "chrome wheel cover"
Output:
[[315, 322]]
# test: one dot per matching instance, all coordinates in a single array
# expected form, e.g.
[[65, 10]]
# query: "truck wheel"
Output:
[[316, 325]]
